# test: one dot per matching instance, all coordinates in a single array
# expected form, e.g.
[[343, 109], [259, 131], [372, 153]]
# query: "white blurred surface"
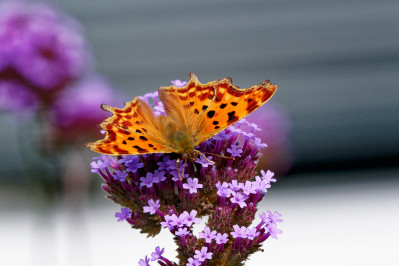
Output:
[[343, 224]]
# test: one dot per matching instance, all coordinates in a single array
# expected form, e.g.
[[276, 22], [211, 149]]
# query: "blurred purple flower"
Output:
[[43, 44], [80, 104], [16, 97]]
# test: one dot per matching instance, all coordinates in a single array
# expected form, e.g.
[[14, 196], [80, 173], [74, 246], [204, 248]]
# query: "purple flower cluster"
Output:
[[227, 192], [44, 61], [40, 45]]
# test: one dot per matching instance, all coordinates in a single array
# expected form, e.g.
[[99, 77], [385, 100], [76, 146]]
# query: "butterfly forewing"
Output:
[[230, 105], [131, 130]]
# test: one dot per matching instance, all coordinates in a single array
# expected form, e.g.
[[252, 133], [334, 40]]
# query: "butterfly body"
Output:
[[194, 113]]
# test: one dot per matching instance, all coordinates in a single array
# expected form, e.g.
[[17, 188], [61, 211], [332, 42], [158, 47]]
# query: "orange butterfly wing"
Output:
[[131, 130], [185, 104], [230, 105]]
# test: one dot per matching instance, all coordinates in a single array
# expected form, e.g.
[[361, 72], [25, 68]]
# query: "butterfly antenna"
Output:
[[203, 156], [218, 155]]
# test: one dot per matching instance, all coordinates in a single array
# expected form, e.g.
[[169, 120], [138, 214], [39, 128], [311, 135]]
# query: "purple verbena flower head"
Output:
[[230, 191], [44, 45], [76, 109], [14, 96]]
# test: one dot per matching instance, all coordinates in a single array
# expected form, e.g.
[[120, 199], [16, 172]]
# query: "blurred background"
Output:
[[332, 127]]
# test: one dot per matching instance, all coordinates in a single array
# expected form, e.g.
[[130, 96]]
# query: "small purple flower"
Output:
[[190, 218], [208, 235], [166, 164], [223, 189], [235, 186], [264, 218], [148, 180], [175, 174], [120, 175], [178, 83], [248, 188], [178, 221], [258, 143], [275, 217], [268, 176], [157, 254], [123, 215], [221, 239], [239, 231], [132, 163], [234, 151], [203, 254], [193, 262], [168, 220], [95, 166], [159, 176], [273, 230], [152, 207], [252, 233], [205, 163], [239, 198], [182, 232], [260, 184], [145, 262], [192, 185]]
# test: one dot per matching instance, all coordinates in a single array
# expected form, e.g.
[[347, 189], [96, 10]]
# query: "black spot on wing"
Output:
[[234, 103], [139, 149], [223, 105], [204, 107], [143, 138], [232, 117], [215, 122], [124, 142], [211, 113], [130, 138]]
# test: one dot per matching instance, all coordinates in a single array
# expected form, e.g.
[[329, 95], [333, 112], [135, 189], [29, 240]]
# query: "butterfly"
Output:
[[194, 114]]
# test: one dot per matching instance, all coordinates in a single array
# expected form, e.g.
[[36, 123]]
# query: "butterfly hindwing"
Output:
[[130, 130], [230, 105]]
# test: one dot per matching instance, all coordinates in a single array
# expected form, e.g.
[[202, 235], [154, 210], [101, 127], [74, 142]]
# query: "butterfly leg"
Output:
[[178, 168]]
